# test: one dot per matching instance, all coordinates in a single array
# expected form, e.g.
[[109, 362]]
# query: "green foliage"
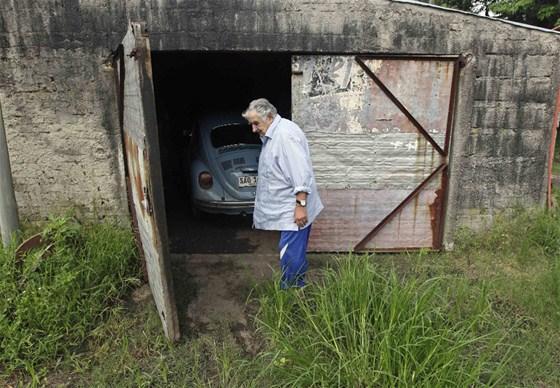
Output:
[[524, 236], [464, 5], [360, 327], [526, 247], [543, 13], [54, 295]]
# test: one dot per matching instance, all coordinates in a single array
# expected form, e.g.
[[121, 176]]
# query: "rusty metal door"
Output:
[[137, 116], [379, 130]]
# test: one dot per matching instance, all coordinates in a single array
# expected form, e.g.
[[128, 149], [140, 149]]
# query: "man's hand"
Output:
[[300, 216]]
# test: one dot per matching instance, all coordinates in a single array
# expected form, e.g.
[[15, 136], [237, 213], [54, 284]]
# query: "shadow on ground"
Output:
[[213, 293], [213, 233]]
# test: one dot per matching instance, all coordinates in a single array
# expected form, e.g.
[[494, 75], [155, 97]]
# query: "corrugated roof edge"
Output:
[[522, 25]]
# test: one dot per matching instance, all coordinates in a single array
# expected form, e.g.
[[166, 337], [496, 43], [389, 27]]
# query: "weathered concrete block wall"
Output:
[[57, 93], [58, 100]]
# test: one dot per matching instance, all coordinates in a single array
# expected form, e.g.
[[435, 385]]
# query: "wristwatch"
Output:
[[301, 202]]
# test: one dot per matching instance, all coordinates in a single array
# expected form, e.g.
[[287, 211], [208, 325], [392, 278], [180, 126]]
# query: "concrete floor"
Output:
[[215, 233]]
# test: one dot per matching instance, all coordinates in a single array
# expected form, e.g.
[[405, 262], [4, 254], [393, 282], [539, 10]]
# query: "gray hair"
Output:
[[262, 107]]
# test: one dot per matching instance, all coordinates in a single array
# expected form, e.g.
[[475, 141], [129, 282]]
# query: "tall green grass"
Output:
[[54, 295], [522, 254], [518, 259], [484, 314], [481, 315], [360, 327]]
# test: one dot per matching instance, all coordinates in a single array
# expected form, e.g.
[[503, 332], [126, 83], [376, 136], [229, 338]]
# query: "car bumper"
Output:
[[225, 207]]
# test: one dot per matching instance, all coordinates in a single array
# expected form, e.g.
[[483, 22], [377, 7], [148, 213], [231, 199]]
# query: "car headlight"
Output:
[[205, 180]]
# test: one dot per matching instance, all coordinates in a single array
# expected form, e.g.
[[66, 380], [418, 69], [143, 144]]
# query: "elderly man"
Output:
[[287, 199]]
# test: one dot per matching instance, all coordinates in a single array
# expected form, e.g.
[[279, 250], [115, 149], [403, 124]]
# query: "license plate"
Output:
[[247, 181]]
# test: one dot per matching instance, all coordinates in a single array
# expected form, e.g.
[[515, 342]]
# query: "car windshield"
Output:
[[233, 134]]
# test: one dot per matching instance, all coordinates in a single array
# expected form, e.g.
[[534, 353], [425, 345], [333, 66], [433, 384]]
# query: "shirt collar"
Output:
[[270, 131]]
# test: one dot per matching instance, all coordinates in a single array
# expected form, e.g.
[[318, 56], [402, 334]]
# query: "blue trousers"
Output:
[[293, 263]]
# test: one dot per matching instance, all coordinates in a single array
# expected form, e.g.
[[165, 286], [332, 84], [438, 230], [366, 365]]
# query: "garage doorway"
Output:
[[379, 129], [189, 86]]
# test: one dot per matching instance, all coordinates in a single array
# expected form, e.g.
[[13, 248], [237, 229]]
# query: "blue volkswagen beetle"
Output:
[[223, 161]]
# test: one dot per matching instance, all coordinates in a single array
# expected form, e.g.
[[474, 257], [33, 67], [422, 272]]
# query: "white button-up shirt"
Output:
[[284, 170]]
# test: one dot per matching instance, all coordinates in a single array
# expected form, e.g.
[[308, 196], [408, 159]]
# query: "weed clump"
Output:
[[52, 296]]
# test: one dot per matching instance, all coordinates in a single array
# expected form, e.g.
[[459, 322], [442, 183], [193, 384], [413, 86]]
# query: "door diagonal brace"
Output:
[[403, 109], [374, 231]]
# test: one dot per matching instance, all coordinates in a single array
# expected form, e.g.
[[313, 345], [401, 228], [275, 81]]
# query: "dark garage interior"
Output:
[[187, 85]]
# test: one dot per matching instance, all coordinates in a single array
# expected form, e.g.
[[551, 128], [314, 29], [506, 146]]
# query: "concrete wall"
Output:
[[60, 110]]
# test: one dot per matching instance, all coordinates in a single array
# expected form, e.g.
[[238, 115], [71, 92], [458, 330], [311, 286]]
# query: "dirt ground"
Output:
[[213, 293]]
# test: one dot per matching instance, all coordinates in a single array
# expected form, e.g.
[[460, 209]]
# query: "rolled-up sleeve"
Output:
[[295, 161]]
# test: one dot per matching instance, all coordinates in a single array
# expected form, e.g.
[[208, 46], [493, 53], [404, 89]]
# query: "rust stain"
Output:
[[551, 150], [435, 211], [130, 194], [448, 70], [147, 187]]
